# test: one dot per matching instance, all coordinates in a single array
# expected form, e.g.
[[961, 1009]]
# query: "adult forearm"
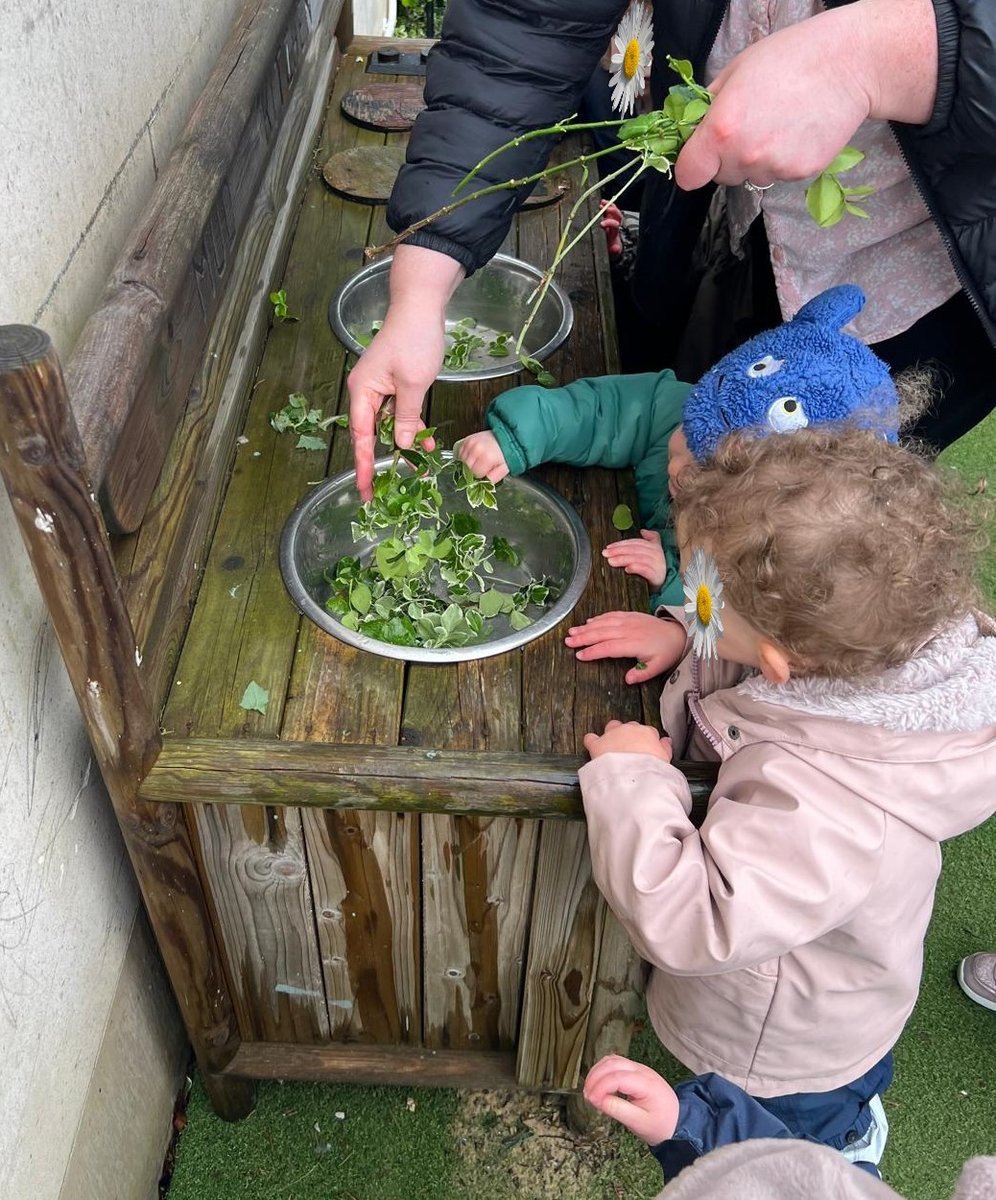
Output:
[[422, 281], [896, 45]]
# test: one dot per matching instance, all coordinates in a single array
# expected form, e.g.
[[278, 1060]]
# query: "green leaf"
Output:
[[519, 620], [825, 201], [855, 211], [545, 379], [398, 630], [636, 126], [695, 110], [491, 603], [848, 157], [622, 517], [361, 598], [255, 698], [306, 442], [505, 551], [463, 523], [683, 67], [640, 665], [342, 420]]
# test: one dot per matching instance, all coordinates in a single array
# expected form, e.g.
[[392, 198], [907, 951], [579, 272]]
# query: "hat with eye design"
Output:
[[804, 372]]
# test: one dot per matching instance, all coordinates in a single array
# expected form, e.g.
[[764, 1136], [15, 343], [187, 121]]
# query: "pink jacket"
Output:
[[787, 933]]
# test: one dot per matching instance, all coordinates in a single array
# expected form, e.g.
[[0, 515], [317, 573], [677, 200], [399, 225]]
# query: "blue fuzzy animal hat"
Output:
[[805, 372]]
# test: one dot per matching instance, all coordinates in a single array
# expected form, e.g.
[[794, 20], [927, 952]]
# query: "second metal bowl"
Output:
[[496, 298]]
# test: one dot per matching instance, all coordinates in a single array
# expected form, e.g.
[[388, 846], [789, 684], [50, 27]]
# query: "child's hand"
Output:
[[611, 223], [679, 457], [635, 1095], [482, 454], [654, 643], [631, 738], [644, 557]]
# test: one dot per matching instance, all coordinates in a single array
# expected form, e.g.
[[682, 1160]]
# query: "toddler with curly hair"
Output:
[[835, 667]]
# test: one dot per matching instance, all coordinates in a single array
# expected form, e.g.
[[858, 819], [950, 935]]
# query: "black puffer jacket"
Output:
[[504, 67]]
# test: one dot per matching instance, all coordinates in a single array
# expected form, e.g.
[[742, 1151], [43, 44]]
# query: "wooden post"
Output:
[[41, 460]]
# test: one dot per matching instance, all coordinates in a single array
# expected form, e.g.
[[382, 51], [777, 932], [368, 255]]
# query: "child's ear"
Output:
[[774, 662]]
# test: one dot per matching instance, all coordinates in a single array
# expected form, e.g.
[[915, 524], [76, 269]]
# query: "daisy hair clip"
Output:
[[703, 601], [632, 57]]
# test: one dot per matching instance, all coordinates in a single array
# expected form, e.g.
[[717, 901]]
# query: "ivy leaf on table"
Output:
[[622, 517], [255, 698]]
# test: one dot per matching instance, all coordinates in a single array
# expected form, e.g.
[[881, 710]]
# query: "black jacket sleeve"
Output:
[[501, 68], [953, 156]]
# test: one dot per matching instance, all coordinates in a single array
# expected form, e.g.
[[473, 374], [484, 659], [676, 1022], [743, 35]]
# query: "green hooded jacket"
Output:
[[609, 421]]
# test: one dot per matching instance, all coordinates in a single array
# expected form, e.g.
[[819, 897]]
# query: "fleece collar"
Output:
[[949, 686]]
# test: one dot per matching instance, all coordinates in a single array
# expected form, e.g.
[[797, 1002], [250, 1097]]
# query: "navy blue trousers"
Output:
[[714, 1112]]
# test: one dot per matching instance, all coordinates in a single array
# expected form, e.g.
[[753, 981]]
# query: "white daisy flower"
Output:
[[703, 600], [632, 54]]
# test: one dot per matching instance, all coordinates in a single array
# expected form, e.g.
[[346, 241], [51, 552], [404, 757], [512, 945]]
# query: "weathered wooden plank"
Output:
[[616, 1003], [339, 775], [568, 918], [42, 460], [160, 563], [117, 345], [364, 866], [403, 1066], [244, 628], [476, 871]]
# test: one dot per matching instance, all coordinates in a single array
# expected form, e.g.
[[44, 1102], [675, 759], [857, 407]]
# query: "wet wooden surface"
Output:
[[429, 929]]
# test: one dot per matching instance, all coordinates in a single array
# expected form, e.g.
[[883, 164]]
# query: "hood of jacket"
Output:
[[918, 741]]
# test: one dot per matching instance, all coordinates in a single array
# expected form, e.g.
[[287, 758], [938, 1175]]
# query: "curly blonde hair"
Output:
[[847, 550]]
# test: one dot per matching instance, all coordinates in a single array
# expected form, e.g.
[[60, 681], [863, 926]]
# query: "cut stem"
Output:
[[509, 184], [557, 130]]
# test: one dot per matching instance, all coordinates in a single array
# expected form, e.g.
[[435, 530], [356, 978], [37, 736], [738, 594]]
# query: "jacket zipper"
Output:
[[947, 238], [942, 227], [695, 708]]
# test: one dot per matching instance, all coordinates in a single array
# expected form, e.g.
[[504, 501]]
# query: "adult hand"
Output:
[[628, 738], [482, 454], [635, 1095], [788, 104], [657, 644], [404, 358], [643, 556]]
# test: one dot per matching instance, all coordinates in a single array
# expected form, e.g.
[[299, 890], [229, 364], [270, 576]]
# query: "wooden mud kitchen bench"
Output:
[[385, 877]]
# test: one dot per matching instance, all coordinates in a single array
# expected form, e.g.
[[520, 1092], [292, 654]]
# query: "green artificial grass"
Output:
[[941, 1107], [389, 1144]]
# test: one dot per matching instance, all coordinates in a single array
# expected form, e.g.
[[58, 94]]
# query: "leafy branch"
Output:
[[654, 139]]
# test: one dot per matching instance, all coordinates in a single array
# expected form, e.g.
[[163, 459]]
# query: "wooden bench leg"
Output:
[[42, 463], [231, 1098], [616, 1002]]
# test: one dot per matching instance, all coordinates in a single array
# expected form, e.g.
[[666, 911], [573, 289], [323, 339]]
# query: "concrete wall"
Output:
[[92, 99]]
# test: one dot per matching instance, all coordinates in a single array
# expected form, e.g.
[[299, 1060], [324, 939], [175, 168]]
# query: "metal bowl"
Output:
[[496, 297], [541, 525]]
